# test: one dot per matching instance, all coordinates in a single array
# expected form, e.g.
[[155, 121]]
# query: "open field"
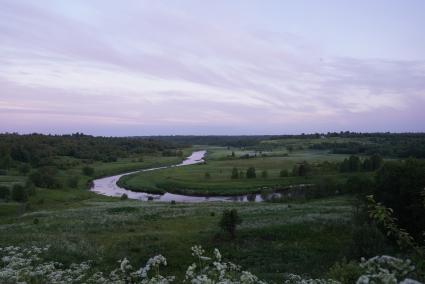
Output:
[[219, 165], [273, 238]]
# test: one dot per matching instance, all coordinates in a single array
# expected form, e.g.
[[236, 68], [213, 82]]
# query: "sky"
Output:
[[124, 68]]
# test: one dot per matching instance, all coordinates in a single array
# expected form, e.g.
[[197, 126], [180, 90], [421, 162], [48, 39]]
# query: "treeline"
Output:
[[38, 150], [348, 134], [391, 146], [214, 140]]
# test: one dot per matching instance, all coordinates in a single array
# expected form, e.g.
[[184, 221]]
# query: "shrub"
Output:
[[367, 241], [250, 173], [45, 177], [345, 272], [235, 173], [283, 173], [88, 171], [4, 192], [229, 220], [24, 169], [207, 175], [19, 193], [399, 186], [72, 181], [264, 174], [124, 196]]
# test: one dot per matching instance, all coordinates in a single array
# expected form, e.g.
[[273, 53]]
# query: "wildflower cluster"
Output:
[[209, 270], [386, 269], [26, 266]]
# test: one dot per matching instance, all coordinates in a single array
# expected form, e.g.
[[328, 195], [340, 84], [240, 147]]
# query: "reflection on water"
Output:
[[108, 186]]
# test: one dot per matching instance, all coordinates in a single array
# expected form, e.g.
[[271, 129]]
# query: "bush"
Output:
[[283, 173], [264, 174], [359, 185], [124, 196], [45, 177], [24, 169], [72, 181], [367, 241], [207, 175], [345, 272], [19, 193], [229, 220], [399, 185], [4, 192], [302, 169], [30, 187], [250, 173], [235, 173], [88, 171]]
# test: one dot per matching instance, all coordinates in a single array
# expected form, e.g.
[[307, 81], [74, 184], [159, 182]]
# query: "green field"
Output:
[[219, 164], [273, 238]]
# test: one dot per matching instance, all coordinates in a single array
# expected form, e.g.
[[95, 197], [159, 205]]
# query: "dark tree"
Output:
[[229, 220], [376, 162], [4, 192], [250, 173], [354, 163], [400, 185], [45, 177], [88, 171], [235, 173], [19, 193], [283, 173]]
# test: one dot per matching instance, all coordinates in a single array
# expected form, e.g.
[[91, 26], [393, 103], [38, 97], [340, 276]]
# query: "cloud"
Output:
[[147, 64]]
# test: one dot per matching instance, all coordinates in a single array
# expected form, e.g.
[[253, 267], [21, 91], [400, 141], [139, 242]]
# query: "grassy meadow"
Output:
[[303, 238], [220, 161]]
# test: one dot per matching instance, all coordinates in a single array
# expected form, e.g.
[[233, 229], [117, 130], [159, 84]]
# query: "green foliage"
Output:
[[73, 181], [264, 174], [4, 192], [45, 177], [88, 171], [346, 272], [229, 220], [301, 169], [367, 241], [250, 173], [235, 173], [19, 193], [124, 196], [283, 173], [384, 217], [25, 169], [359, 185], [207, 175], [399, 186], [38, 150]]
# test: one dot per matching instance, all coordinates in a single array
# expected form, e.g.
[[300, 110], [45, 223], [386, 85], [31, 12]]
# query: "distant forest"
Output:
[[37, 149]]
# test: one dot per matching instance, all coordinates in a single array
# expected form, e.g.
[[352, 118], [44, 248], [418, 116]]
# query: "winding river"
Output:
[[108, 186]]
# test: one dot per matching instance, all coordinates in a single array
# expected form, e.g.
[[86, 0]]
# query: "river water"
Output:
[[108, 186]]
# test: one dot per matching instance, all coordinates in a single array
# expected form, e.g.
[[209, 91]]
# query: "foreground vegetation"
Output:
[[321, 232]]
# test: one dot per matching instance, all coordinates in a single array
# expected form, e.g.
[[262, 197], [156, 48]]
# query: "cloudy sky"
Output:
[[211, 67]]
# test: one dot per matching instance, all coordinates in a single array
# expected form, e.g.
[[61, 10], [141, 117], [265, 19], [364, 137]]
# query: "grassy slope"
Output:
[[48, 199], [273, 238], [191, 179]]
